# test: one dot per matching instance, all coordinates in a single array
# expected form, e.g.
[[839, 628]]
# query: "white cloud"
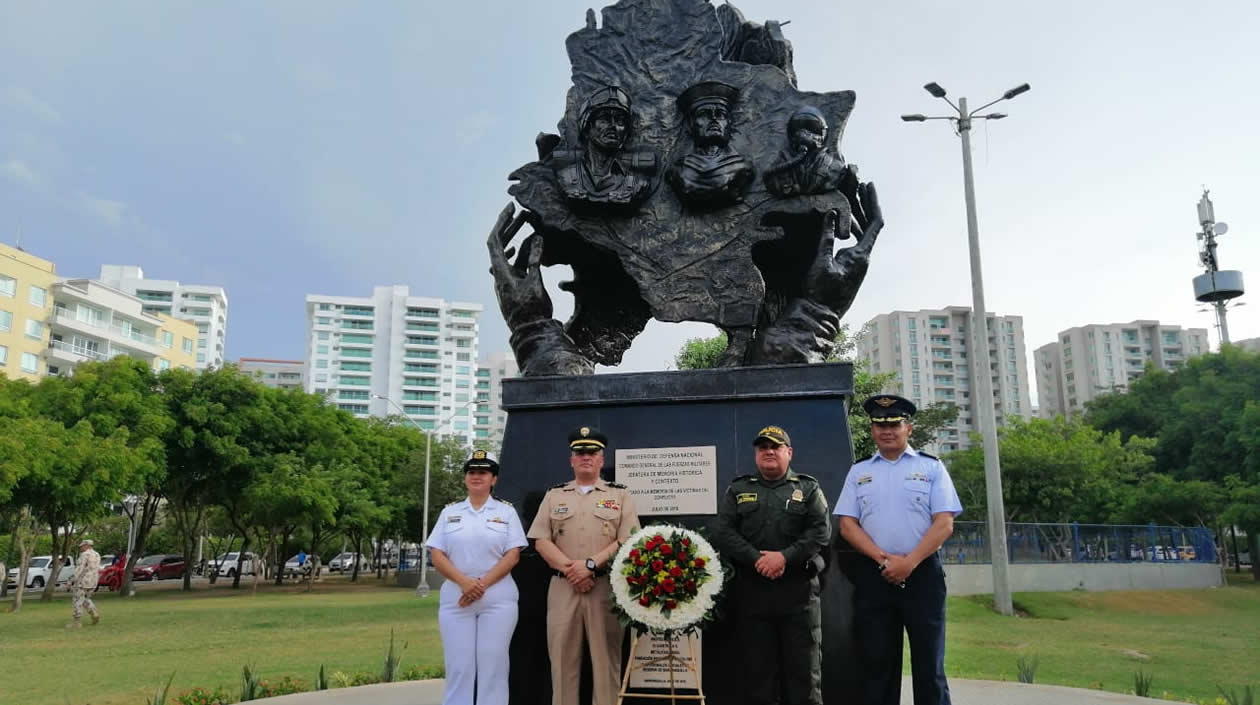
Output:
[[108, 211], [28, 102], [21, 172]]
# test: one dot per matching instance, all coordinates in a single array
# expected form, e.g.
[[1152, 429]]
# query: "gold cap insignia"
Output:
[[885, 401], [798, 496], [585, 431], [479, 455]]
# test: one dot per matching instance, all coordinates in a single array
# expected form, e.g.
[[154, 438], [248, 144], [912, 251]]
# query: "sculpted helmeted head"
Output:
[[604, 121], [707, 107]]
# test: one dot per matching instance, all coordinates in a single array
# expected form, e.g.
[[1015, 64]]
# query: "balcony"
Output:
[[129, 338], [72, 354]]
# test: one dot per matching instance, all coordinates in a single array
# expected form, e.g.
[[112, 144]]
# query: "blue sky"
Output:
[[286, 148]]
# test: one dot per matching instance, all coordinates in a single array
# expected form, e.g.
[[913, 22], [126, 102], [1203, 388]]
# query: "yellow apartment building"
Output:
[[26, 283]]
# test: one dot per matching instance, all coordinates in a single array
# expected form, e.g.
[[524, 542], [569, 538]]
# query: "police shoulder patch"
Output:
[[617, 485]]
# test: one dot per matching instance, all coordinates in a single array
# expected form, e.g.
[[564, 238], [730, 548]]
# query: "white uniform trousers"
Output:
[[475, 642]]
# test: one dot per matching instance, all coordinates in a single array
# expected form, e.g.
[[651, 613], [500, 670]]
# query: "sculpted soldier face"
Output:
[[772, 459], [808, 135], [608, 128], [710, 124]]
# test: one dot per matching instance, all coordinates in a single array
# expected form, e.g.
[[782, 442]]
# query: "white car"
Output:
[[226, 564], [293, 569], [38, 573], [344, 562]]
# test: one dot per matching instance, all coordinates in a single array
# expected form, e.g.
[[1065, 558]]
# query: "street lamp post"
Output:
[[980, 334], [422, 590]]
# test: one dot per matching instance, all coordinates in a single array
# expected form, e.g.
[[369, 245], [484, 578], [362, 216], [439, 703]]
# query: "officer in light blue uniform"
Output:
[[896, 509], [475, 544]]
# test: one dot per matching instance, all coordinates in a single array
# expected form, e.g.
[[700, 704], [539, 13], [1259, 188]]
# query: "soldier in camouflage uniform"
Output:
[[773, 526], [83, 584]]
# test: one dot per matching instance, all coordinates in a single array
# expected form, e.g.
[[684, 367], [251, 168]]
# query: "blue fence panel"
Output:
[[1083, 543]]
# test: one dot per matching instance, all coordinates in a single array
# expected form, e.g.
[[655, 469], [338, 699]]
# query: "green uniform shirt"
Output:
[[787, 515]]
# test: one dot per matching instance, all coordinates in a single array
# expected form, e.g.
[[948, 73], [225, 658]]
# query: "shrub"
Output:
[[1233, 697], [390, 670], [365, 679], [1027, 668], [285, 686], [1142, 684], [205, 696], [422, 673], [249, 684], [159, 698]]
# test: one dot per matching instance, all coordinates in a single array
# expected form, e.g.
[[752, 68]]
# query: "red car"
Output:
[[111, 574], [159, 567]]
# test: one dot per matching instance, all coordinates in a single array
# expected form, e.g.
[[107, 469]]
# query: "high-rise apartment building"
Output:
[[205, 306], [1252, 344], [92, 321], [930, 353], [420, 353], [1087, 361], [281, 374], [491, 420], [25, 301]]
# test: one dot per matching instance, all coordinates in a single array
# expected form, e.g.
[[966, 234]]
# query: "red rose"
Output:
[[686, 542], [682, 556], [634, 553], [658, 538], [632, 580], [656, 590], [668, 585], [690, 586], [666, 550], [639, 561], [675, 572], [645, 600], [699, 563], [671, 604], [658, 566]]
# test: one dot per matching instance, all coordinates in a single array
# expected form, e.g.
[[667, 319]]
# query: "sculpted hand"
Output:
[[771, 564], [518, 285], [834, 277]]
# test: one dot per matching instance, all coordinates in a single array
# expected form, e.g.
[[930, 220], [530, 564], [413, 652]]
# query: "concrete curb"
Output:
[[962, 691]]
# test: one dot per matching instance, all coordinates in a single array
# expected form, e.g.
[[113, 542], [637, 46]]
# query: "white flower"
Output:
[[687, 614]]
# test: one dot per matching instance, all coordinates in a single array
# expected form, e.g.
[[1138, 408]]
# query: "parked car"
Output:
[[226, 564], [38, 573], [111, 575], [344, 562], [159, 567], [293, 569]]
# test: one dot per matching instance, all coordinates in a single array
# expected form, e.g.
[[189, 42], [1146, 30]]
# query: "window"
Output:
[[8, 286], [321, 378], [4, 355], [349, 339], [321, 364], [188, 345], [462, 357], [201, 343], [356, 366], [325, 307], [38, 296], [201, 357], [163, 364], [34, 329], [323, 335], [168, 339], [356, 352], [323, 321], [30, 362], [6, 321], [321, 349], [461, 370], [354, 394]]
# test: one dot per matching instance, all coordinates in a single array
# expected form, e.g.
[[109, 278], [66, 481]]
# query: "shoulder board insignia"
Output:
[[502, 501], [750, 478], [559, 486], [616, 485], [811, 478], [454, 503], [928, 455]]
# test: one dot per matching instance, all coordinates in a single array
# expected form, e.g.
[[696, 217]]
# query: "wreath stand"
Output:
[[676, 664]]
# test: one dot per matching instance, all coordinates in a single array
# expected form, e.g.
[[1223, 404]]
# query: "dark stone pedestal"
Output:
[[723, 408]]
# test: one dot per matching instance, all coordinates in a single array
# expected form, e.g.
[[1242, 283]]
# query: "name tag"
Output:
[[454, 518], [864, 479], [562, 509], [745, 497]]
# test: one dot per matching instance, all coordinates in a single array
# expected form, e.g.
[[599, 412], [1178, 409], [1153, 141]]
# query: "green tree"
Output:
[[704, 353]]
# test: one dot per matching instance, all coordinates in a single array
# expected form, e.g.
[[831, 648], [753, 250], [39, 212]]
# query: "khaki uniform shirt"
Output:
[[87, 570], [582, 525]]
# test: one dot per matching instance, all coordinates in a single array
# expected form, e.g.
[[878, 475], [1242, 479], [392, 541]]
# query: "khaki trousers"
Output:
[[569, 613]]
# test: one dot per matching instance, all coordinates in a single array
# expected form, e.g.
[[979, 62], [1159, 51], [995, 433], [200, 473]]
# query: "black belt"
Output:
[[599, 573]]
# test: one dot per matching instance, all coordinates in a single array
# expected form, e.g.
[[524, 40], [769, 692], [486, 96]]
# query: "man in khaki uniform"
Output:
[[578, 528], [86, 571]]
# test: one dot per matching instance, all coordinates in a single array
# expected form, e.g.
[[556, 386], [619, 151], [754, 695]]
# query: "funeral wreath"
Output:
[[666, 579]]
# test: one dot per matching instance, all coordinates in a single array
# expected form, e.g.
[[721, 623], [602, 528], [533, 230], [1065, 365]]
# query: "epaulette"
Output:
[[502, 501], [617, 485], [928, 455], [455, 502], [559, 485], [749, 477], [811, 478]]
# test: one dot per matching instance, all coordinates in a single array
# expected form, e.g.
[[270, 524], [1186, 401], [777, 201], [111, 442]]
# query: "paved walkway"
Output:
[[964, 692]]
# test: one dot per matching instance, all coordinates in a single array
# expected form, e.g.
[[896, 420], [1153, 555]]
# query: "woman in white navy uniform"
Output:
[[475, 544]]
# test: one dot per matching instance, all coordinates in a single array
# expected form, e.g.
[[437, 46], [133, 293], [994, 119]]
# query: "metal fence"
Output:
[[1082, 543]]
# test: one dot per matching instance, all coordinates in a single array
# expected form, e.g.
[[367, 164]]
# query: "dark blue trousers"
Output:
[[881, 613]]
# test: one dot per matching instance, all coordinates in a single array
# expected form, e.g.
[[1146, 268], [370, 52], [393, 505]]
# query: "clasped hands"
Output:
[[578, 576], [771, 565], [895, 567]]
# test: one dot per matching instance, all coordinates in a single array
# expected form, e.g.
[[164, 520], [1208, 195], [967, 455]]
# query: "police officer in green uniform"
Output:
[[773, 526]]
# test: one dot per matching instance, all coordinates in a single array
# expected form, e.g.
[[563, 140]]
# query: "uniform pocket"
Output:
[[605, 514], [917, 495]]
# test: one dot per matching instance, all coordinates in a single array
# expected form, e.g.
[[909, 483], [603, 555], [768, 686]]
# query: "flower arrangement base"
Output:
[[672, 661]]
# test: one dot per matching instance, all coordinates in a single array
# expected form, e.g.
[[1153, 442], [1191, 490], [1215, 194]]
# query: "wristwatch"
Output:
[[591, 565]]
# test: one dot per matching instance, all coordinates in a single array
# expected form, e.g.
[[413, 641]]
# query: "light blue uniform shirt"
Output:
[[894, 500], [475, 539]]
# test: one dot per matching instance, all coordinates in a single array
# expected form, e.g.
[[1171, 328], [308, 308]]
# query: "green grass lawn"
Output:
[[205, 638], [1189, 639]]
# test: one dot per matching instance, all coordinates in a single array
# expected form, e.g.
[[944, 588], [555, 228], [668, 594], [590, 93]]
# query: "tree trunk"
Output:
[[54, 567], [358, 543], [8, 558], [144, 525], [380, 542], [240, 560], [24, 555], [1253, 547]]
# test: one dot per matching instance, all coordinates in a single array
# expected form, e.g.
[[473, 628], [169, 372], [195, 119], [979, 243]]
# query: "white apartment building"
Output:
[[91, 321], [205, 306], [281, 374], [491, 420], [419, 353], [930, 352], [1095, 359], [1251, 344]]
